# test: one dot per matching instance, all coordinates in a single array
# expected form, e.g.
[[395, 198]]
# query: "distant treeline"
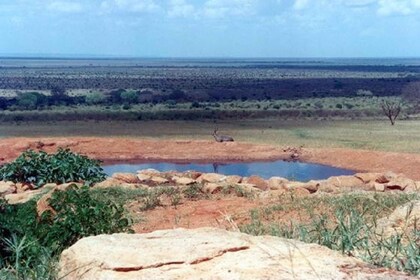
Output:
[[220, 89]]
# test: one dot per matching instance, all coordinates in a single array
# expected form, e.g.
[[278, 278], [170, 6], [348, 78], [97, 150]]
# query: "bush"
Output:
[[95, 98], [31, 100], [129, 97], [79, 214], [29, 245], [39, 168]]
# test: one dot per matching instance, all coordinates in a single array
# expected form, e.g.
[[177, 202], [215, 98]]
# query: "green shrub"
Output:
[[79, 214], [94, 98], [30, 245], [39, 168]]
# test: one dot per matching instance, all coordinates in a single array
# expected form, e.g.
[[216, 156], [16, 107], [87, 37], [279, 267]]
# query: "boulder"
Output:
[[368, 177], [42, 204], [159, 180], [346, 183], [114, 183], [211, 178], [312, 186], [401, 221], [257, 181], [126, 177], [400, 183], [183, 181], [233, 180], [143, 177], [208, 253], [191, 174], [250, 188], [212, 188], [379, 187], [23, 197], [277, 183], [7, 188], [149, 171], [299, 191]]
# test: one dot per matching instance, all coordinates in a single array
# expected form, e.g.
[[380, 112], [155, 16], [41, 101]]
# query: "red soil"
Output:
[[130, 149], [215, 212]]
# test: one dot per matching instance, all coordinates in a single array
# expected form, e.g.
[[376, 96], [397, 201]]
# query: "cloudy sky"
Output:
[[211, 28]]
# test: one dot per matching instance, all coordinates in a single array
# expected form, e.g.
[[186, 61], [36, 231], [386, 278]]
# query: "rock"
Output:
[[212, 188], [400, 183], [143, 177], [183, 181], [208, 253], [379, 187], [42, 204], [211, 178], [368, 177], [250, 188], [312, 186], [346, 183], [149, 171], [259, 182], [159, 180], [401, 221], [7, 188], [17, 198], [412, 189], [233, 180], [299, 191], [277, 183], [191, 174], [126, 177], [114, 183], [385, 178]]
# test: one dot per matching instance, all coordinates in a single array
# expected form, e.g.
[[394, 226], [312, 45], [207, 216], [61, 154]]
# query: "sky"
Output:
[[211, 28]]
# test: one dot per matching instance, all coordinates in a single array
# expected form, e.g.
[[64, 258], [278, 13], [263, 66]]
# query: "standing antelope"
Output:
[[222, 138]]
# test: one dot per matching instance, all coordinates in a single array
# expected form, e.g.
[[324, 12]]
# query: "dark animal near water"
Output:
[[222, 138]]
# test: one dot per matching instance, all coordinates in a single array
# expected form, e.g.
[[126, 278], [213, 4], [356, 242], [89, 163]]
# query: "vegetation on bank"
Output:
[[311, 109], [40, 168], [346, 223], [31, 244]]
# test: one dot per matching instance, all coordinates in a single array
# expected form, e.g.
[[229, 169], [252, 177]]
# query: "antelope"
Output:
[[222, 138]]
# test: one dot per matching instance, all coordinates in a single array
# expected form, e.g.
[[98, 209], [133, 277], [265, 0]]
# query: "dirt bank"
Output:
[[130, 149]]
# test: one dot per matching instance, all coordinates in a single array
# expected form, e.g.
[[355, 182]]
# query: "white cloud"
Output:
[[180, 8], [398, 7], [65, 7], [300, 4], [223, 8], [134, 6]]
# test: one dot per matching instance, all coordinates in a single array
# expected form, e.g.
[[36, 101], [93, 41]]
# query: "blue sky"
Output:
[[211, 28]]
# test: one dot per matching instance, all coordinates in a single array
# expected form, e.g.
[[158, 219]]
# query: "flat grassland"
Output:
[[376, 135]]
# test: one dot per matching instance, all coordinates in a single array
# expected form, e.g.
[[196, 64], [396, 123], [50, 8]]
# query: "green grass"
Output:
[[360, 134], [344, 223]]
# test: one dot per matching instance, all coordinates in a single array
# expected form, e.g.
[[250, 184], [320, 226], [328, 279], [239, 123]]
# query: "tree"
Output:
[[94, 98], [391, 109], [59, 96]]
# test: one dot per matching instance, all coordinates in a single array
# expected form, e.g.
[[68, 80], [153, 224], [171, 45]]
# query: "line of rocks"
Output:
[[213, 183]]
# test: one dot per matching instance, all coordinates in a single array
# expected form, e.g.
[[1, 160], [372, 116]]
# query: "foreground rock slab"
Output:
[[208, 253]]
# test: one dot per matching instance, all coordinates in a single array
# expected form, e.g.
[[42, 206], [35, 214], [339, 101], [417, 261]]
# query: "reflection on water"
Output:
[[298, 171]]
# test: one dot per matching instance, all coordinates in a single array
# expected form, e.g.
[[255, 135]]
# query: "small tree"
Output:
[[391, 109]]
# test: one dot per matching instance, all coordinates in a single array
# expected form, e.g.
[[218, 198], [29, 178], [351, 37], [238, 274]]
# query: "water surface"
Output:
[[298, 171]]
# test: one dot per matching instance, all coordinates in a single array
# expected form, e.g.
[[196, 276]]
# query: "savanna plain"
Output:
[[62, 119]]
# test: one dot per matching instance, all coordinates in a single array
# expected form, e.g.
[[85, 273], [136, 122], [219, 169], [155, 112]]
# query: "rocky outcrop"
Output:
[[401, 222], [258, 182], [7, 188], [208, 253], [213, 183]]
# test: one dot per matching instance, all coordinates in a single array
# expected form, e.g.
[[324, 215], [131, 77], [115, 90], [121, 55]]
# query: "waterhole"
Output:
[[297, 171]]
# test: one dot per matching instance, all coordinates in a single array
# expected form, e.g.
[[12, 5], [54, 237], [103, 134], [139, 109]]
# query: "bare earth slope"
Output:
[[134, 149]]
